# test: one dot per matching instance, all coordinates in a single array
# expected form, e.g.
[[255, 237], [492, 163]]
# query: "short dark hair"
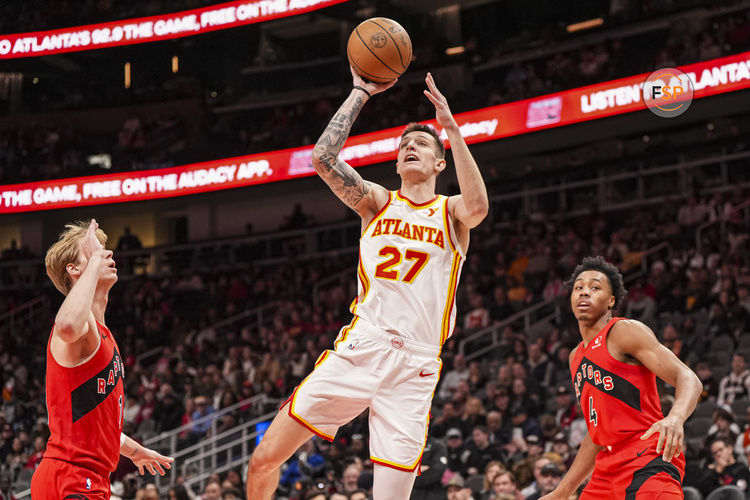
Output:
[[421, 127], [609, 270], [722, 438]]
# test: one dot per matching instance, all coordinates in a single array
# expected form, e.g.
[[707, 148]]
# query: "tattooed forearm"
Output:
[[342, 179], [338, 129]]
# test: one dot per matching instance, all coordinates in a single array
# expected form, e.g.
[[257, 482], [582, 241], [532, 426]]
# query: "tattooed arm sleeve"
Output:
[[343, 180]]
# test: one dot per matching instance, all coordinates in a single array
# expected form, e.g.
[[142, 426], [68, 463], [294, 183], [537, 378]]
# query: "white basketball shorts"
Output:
[[393, 376]]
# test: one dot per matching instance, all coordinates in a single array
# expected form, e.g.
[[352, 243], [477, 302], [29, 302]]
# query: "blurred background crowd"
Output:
[[217, 337]]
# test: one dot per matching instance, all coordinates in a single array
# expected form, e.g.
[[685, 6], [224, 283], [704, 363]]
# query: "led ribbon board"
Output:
[[154, 28], [611, 98]]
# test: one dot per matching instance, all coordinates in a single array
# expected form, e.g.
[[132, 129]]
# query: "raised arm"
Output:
[[72, 320], [364, 197], [471, 206], [635, 339]]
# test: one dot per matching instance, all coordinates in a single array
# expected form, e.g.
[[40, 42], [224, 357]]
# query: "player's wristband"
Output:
[[122, 439], [363, 90]]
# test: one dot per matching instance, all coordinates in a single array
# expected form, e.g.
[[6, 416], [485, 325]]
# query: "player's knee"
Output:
[[263, 461]]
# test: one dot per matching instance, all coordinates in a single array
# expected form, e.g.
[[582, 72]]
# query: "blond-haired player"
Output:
[[412, 248], [84, 380]]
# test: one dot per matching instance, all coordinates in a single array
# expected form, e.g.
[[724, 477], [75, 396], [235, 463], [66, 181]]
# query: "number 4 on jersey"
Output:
[[593, 417]]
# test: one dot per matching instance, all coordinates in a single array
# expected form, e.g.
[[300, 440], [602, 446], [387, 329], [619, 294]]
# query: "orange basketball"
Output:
[[379, 50]]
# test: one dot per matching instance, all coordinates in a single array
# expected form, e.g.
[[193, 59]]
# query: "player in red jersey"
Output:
[[632, 449], [84, 381]]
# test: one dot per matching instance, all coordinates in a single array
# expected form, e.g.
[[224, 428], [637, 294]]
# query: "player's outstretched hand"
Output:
[[90, 244], [671, 436], [371, 87], [443, 113], [152, 461]]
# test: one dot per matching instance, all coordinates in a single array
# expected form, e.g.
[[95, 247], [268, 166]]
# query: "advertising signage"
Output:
[[154, 28], [611, 98]]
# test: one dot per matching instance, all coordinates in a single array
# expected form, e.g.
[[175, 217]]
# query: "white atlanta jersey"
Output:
[[409, 265]]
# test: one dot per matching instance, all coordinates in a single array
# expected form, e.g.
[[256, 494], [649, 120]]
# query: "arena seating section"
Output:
[[209, 330]]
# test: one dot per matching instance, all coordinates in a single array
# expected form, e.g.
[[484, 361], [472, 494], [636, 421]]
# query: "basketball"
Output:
[[379, 49]]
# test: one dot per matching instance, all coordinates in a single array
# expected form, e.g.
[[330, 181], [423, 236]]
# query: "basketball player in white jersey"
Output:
[[412, 248]]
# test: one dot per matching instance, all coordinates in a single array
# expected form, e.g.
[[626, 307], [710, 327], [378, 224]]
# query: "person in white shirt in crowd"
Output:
[[454, 377], [736, 384]]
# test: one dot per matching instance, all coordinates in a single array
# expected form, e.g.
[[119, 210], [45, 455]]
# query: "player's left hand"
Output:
[[443, 113], [152, 461], [671, 436]]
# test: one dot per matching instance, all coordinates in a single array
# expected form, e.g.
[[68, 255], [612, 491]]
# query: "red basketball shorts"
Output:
[[634, 471], [58, 480]]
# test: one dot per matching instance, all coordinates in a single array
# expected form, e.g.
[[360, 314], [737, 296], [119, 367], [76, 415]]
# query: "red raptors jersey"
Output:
[[618, 400], [85, 406]]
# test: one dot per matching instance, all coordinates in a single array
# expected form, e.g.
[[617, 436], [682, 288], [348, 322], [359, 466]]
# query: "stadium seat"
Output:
[[23, 480], [722, 343], [705, 409], [719, 359], [692, 494], [739, 407], [744, 342], [727, 493], [476, 483], [720, 371], [698, 427]]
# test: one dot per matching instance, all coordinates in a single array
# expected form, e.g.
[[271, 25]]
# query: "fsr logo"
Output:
[[668, 92]]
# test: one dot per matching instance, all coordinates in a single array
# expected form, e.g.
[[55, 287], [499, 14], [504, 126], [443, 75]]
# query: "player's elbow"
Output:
[[67, 331], [480, 210], [476, 213], [698, 384], [322, 161]]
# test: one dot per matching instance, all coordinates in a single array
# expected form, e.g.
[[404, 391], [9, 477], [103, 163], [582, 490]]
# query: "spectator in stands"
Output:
[[428, 485], [168, 410], [452, 379], [640, 306], [506, 483], [5, 492], [6, 441], [500, 309], [474, 414], [723, 468], [742, 444], [561, 446], [478, 317], [306, 462], [235, 494], [724, 425], [212, 491], [129, 241], [298, 219], [692, 213], [535, 486], [499, 430], [492, 469], [481, 452], [524, 426], [538, 362], [706, 375], [456, 451], [455, 489], [736, 384], [203, 409], [549, 478], [350, 477]]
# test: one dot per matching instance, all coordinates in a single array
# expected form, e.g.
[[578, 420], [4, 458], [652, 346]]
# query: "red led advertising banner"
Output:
[[554, 110], [154, 28]]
